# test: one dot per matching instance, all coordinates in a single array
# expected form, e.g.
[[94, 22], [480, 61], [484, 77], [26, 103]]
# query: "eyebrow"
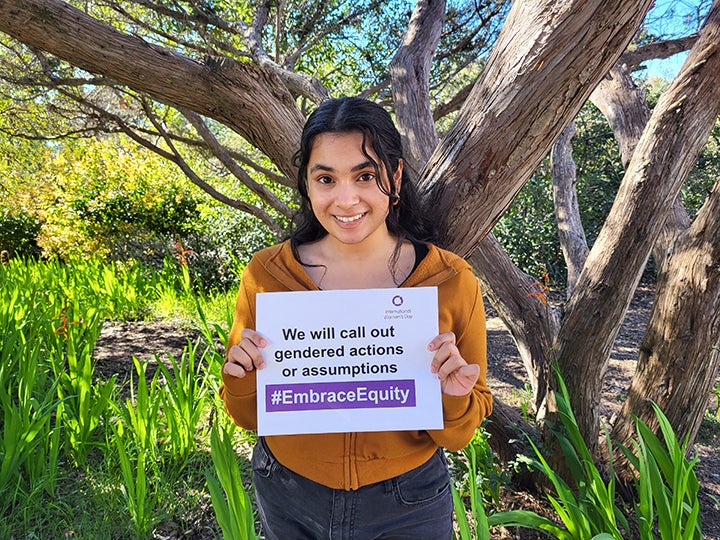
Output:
[[359, 167]]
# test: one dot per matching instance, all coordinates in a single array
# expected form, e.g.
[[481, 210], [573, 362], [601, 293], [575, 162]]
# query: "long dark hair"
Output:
[[405, 219]]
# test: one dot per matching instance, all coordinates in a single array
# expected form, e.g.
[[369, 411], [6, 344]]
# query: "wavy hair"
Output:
[[405, 219]]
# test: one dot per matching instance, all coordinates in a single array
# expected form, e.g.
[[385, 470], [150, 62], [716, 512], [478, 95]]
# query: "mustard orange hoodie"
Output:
[[352, 460]]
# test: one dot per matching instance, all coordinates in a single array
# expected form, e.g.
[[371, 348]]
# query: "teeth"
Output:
[[349, 219]]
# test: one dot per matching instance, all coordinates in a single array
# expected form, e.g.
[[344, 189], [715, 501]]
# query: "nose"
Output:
[[346, 195]]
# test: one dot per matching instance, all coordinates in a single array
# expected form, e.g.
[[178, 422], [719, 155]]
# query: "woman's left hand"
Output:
[[457, 377]]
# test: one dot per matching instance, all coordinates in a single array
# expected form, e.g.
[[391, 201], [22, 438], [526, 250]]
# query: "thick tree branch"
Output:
[[454, 104], [548, 58], [410, 72], [625, 107], [240, 95], [532, 323], [675, 134], [567, 211]]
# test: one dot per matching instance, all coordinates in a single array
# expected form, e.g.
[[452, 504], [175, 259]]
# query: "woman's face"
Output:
[[343, 191]]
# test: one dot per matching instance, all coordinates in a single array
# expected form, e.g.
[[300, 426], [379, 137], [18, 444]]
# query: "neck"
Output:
[[335, 265], [370, 249]]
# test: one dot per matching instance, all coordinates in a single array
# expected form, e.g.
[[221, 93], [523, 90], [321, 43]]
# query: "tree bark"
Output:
[[532, 323], [243, 96], [548, 58], [567, 212], [625, 107], [680, 352], [410, 74], [675, 134]]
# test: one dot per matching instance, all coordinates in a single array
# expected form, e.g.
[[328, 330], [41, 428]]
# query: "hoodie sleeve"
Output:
[[462, 312], [240, 394]]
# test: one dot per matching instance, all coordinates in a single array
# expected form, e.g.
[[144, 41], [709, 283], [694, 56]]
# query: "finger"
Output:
[[437, 342], [234, 370], [250, 344], [254, 337], [246, 355], [451, 364], [461, 381], [446, 350]]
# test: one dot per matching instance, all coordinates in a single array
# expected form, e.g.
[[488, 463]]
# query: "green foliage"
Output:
[[135, 434], [586, 509], [18, 233], [82, 402], [68, 441], [479, 529], [230, 500], [107, 197], [477, 467], [110, 192], [182, 399], [528, 231], [704, 175], [666, 483]]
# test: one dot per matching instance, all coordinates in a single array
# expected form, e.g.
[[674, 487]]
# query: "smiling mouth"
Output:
[[350, 219]]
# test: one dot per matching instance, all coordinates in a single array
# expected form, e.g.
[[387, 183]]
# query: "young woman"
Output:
[[360, 227]]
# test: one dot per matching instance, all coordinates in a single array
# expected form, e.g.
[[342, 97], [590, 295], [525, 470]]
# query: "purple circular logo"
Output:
[[397, 300]]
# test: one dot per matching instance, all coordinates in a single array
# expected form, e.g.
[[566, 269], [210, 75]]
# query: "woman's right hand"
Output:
[[246, 355]]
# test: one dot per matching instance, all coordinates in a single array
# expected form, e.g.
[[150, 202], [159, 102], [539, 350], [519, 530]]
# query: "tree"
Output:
[[258, 71]]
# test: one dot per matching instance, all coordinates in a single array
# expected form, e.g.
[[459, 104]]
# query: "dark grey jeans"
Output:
[[416, 505]]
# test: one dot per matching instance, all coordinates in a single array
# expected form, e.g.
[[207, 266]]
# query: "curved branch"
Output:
[[409, 72], [658, 50], [243, 96], [224, 156], [532, 323], [177, 158]]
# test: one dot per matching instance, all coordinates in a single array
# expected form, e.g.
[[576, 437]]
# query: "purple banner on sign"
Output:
[[339, 395]]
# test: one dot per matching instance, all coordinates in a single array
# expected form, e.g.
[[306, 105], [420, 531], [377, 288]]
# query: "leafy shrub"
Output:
[[588, 507], [18, 234]]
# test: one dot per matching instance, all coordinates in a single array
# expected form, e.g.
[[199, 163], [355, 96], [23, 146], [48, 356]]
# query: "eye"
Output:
[[324, 180], [366, 177]]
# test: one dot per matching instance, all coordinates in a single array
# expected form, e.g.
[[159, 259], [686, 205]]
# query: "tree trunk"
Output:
[[567, 212], [532, 323], [677, 130], [680, 352], [243, 96], [410, 74], [549, 56]]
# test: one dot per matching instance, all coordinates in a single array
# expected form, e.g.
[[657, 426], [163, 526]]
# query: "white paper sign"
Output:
[[350, 360]]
